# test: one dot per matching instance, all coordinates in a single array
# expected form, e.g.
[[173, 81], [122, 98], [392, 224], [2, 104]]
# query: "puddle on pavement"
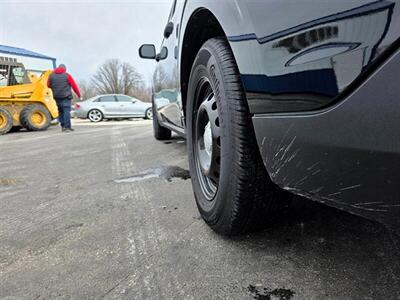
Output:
[[260, 293], [164, 172], [7, 181]]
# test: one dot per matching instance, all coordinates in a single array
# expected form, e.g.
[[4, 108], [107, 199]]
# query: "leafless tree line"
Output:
[[116, 77]]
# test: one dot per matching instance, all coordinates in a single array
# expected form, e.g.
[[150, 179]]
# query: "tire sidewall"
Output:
[[25, 117], [220, 209], [9, 119]]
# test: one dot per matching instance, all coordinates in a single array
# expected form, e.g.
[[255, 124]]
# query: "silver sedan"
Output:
[[112, 106]]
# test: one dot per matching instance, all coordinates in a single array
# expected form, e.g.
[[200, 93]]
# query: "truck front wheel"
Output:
[[232, 188]]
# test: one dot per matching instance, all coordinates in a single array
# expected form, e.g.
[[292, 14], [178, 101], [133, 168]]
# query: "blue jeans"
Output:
[[64, 112]]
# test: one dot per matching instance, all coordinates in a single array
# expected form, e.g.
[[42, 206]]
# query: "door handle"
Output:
[[169, 29]]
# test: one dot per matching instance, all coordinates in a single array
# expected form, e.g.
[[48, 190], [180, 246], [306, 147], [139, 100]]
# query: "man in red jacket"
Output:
[[61, 83]]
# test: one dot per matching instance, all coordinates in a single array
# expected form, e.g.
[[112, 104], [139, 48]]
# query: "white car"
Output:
[[112, 106]]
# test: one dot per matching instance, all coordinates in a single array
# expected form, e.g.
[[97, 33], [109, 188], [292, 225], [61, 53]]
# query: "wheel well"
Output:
[[202, 26]]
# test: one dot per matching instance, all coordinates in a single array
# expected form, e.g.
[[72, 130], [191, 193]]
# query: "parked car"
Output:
[[272, 101], [112, 106]]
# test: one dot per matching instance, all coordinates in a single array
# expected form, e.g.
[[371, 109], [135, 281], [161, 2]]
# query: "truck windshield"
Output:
[[11, 75], [17, 76], [3, 76]]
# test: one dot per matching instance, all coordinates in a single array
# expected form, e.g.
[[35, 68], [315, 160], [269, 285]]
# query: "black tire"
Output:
[[243, 197], [35, 117], [6, 121], [148, 114], [98, 113], [160, 133]]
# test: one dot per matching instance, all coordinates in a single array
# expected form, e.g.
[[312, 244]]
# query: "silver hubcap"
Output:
[[208, 142], [149, 114], [95, 115]]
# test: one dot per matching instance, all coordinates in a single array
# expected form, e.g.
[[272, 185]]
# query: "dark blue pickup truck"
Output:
[[279, 96]]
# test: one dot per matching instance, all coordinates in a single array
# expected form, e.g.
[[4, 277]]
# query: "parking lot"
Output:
[[107, 212]]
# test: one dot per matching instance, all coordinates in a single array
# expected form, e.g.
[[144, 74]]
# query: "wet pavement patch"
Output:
[[260, 293], [165, 172]]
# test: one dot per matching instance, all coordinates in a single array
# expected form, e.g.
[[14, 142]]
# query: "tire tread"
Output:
[[256, 198]]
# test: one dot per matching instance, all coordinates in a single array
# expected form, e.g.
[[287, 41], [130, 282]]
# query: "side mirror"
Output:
[[169, 29], [163, 54], [147, 51]]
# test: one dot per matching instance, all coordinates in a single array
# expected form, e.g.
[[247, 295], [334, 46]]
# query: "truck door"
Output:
[[165, 78]]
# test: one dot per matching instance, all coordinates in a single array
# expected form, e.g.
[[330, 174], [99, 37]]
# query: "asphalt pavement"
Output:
[[107, 212]]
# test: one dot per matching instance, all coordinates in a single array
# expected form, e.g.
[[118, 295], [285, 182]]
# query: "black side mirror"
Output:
[[163, 54], [147, 51], [169, 29]]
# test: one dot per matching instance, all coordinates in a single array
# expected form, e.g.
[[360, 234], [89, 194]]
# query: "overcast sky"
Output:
[[83, 34]]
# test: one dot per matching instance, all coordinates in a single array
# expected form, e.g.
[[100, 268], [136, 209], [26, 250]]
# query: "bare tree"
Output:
[[87, 89], [116, 77], [143, 93]]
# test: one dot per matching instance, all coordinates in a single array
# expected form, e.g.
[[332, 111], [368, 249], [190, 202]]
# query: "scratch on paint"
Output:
[[285, 135], [334, 194], [279, 151], [316, 172], [280, 163], [351, 187], [293, 155], [288, 147], [301, 181], [313, 166], [367, 206], [369, 203], [369, 209], [380, 206]]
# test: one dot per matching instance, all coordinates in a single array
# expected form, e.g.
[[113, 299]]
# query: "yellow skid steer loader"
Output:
[[25, 99]]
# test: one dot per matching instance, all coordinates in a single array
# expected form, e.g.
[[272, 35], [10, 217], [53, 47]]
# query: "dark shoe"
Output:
[[63, 129]]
